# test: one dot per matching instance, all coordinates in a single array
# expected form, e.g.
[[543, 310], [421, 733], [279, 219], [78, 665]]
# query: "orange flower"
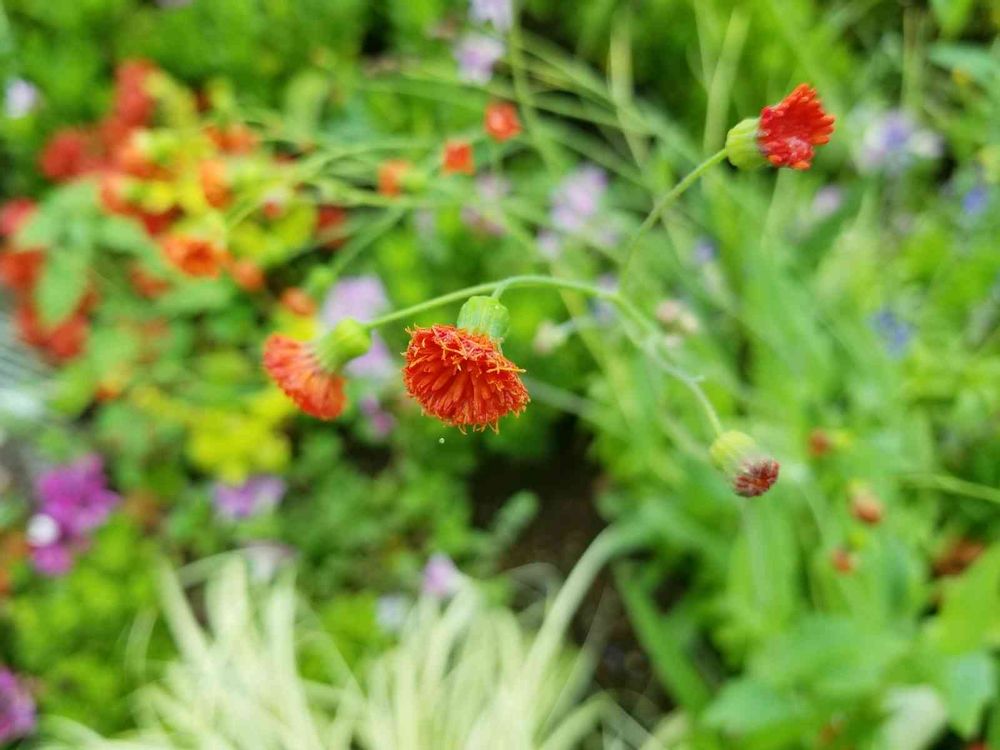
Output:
[[212, 174], [295, 367], [843, 561], [789, 130], [146, 284], [232, 139], [501, 121], [295, 300], [61, 342], [329, 220], [390, 176], [458, 158], [195, 256], [69, 153], [247, 275], [462, 378], [21, 269]]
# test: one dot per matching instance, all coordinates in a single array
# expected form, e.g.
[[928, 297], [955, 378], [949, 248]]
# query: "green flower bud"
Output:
[[484, 315], [348, 340], [742, 148]]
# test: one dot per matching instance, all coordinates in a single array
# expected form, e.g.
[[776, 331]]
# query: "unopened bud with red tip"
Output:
[[843, 561], [484, 315], [865, 505], [742, 149], [750, 472]]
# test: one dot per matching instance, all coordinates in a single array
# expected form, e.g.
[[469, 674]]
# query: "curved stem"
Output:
[[628, 309], [664, 203]]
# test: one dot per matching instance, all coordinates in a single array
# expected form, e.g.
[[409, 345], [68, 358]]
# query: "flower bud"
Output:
[[484, 315], [865, 506], [742, 148], [750, 472], [348, 340]]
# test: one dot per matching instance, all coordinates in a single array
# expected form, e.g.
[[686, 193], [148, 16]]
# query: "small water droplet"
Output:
[[441, 441]]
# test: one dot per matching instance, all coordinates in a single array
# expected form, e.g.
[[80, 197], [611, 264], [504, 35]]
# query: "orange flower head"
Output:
[[215, 186], [390, 177], [195, 256], [21, 269], [247, 275], [756, 477], [750, 472], [295, 367], [790, 130], [461, 378], [457, 158], [296, 301], [309, 372], [329, 226], [501, 121]]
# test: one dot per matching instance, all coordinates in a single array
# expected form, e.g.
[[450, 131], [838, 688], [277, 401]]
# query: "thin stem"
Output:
[[628, 309], [664, 203]]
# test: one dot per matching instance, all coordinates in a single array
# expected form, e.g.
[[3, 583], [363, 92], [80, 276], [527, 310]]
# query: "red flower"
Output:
[[789, 131], [212, 174], [70, 153], [146, 284], [14, 214], [756, 477], [20, 269], [195, 256], [133, 103], [232, 139], [390, 176], [462, 378], [296, 369], [458, 158], [247, 275], [61, 342], [501, 121], [329, 220], [298, 302]]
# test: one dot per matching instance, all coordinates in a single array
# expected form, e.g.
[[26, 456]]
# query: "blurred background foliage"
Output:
[[847, 317]]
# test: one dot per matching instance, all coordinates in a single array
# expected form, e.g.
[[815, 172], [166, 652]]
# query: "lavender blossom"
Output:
[[976, 200], [381, 422], [17, 708], [491, 189], [441, 578], [895, 332], [576, 199], [362, 298], [704, 251], [20, 98], [256, 495], [500, 13], [827, 202], [476, 54], [76, 496], [893, 141]]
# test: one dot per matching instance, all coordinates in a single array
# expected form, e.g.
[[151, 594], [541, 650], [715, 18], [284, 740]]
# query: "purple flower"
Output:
[[490, 189], [76, 496], [500, 13], [257, 494], [827, 201], [895, 332], [576, 199], [17, 708], [359, 297], [704, 251], [441, 578], [893, 141], [381, 422], [51, 546], [363, 298], [476, 54], [976, 200], [20, 98]]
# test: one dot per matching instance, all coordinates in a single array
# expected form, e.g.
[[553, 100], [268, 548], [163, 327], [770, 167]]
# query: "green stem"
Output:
[[663, 204], [627, 308]]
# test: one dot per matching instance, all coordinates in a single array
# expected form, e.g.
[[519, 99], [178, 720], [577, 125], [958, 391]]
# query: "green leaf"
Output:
[[952, 15], [970, 614], [63, 283], [748, 707], [968, 683], [124, 235]]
